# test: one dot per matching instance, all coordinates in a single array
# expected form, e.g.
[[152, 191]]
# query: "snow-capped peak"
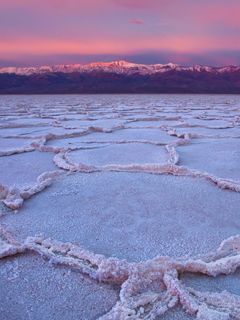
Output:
[[119, 66]]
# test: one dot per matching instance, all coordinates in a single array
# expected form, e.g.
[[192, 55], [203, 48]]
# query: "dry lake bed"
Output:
[[119, 207]]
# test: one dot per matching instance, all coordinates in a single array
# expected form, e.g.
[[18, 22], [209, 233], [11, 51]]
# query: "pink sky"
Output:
[[149, 31]]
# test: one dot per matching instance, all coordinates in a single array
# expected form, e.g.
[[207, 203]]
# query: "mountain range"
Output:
[[119, 77]]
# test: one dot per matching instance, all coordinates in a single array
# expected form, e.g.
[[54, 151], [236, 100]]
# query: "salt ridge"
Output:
[[133, 277]]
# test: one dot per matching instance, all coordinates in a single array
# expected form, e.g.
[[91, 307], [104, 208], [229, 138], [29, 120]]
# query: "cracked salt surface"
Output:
[[156, 136], [120, 154], [125, 177], [176, 314], [153, 123], [202, 132], [33, 289], [23, 169], [11, 144], [158, 215], [223, 157], [230, 283]]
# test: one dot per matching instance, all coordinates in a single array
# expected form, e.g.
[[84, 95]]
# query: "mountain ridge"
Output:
[[119, 66], [119, 77]]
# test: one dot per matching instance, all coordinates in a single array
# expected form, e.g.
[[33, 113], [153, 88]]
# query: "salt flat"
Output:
[[127, 199]]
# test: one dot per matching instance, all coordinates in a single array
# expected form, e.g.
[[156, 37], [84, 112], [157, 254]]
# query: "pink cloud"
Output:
[[136, 21]]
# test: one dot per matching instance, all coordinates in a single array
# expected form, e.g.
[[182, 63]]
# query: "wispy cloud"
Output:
[[136, 21]]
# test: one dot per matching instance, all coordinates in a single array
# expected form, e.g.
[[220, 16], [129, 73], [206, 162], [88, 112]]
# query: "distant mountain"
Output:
[[120, 77], [119, 67]]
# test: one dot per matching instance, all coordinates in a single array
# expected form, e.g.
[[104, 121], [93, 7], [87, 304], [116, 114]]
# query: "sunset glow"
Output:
[[77, 31]]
